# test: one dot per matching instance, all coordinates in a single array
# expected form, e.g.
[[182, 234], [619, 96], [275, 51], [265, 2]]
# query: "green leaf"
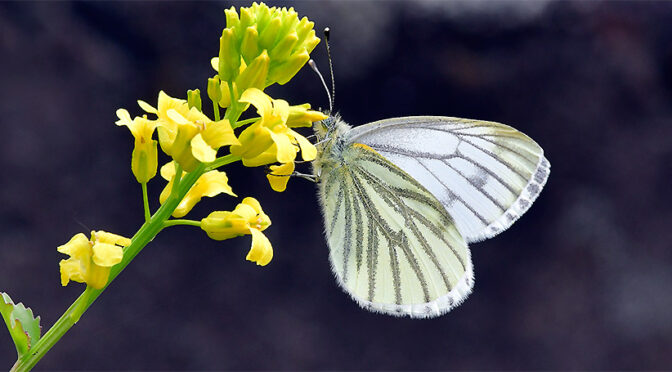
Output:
[[23, 327]]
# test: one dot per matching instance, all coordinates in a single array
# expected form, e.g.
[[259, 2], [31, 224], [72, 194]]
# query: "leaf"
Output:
[[23, 327]]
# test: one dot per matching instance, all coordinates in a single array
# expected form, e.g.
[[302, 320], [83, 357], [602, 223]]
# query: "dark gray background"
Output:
[[582, 281]]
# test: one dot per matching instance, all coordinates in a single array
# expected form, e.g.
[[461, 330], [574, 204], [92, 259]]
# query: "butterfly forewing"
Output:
[[485, 174], [393, 246]]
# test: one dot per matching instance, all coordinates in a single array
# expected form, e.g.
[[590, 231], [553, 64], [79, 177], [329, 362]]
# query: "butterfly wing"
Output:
[[393, 246], [485, 174]]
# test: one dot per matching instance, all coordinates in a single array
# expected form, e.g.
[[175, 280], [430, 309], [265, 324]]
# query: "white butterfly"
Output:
[[402, 197]]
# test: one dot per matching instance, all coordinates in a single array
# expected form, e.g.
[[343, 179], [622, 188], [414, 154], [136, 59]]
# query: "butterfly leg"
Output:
[[309, 177]]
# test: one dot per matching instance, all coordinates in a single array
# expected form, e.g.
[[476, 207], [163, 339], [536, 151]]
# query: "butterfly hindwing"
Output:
[[485, 174], [393, 246]]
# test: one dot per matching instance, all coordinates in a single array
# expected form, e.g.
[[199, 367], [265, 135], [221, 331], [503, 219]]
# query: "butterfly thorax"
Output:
[[330, 143]]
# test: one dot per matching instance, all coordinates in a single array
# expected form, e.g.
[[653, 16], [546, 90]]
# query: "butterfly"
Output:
[[402, 198]]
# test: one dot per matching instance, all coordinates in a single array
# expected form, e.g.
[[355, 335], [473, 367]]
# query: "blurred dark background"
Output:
[[582, 281]]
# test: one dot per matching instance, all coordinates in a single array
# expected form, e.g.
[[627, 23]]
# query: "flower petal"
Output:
[[213, 183], [308, 150], [107, 255], [286, 152], [177, 117], [214, 62], [261, 251], [252, 202], [254, 140], [124, 117], [98, 276], [281, 110], [259, 100], [168, 171], [267, 157], [279, 176], [101, 236], [71, 269], [78, 246], [147, 107], [201, 150], [219, 134], [210, 184]]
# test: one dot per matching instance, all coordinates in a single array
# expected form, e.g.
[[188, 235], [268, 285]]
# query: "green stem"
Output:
[[145, 234], [239, 124], [181, 222], [176, 178], [145, 201], [221, 161], [215, 109], [232, 111]]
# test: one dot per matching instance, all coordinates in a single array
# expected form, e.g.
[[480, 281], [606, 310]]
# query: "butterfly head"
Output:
[[329, 128]]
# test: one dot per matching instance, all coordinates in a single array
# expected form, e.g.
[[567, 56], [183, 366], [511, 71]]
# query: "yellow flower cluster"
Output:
[[91, 259], [260, 47], [273, 38]]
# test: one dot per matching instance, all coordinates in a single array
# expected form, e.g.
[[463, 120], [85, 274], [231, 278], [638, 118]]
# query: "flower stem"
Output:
[[145, 201], [221, 161], [176, 178], [215, 109], [232, 111], [145, 234], [181, 222], [239, 124]]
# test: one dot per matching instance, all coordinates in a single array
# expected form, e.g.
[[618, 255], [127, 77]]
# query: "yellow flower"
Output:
[[144, 157], [270, 139], [209, 184], [278, 32], [279, 176], [91, 259], [187, 134], [246, 218]]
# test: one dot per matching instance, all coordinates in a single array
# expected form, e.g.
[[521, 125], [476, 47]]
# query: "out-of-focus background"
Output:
[[582, 281]]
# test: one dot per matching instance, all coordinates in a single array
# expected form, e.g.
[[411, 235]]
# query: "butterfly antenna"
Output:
[[331, 69], [80, 223], [312, 65]]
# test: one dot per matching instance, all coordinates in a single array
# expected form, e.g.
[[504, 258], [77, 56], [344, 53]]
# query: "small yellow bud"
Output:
[[229, 56], [250, 44], [231, 17], [214, 90], [286, 70], [254, 75], [194, 98]]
